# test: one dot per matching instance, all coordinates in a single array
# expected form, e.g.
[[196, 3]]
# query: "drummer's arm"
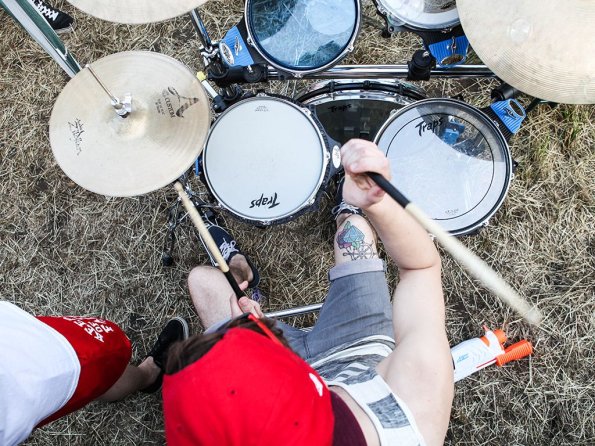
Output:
[[419, 370]]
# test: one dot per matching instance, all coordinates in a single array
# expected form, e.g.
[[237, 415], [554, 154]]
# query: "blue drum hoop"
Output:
[[491, 134], [252, 40]]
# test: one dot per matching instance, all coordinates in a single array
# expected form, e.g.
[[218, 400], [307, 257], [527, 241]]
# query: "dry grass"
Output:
[[67, 251]]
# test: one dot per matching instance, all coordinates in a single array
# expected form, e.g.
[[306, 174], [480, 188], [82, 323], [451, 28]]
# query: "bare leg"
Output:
[[355, 239], [210, 291], [132, 380]]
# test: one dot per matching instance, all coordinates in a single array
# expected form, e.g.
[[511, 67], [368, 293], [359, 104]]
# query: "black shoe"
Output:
[[58, 20], [341, 207], [175, 330], [229, 248]]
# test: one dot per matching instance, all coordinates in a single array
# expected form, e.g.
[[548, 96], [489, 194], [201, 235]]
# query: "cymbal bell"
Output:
[[543, 48], [136, 11], [125, 156]]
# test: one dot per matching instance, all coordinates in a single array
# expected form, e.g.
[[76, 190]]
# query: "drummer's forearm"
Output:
[[407, 243]]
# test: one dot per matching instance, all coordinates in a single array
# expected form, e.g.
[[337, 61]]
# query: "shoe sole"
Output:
[[184, 325]]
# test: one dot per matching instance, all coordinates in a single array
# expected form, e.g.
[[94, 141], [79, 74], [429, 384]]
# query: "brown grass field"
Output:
[[65, 250]]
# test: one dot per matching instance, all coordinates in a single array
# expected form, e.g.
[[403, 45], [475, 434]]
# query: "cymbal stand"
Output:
[[176, 215], [122, 108]]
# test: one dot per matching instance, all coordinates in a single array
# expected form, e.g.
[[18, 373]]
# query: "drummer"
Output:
[[376, 376]]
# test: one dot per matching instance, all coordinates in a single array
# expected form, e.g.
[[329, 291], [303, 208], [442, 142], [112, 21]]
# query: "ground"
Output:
[[65, 250]]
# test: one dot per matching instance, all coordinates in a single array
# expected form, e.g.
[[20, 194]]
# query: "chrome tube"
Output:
[[387, 72], [294, 311]]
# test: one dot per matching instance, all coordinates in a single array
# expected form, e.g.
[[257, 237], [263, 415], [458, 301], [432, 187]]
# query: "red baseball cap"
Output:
[[247, 390]]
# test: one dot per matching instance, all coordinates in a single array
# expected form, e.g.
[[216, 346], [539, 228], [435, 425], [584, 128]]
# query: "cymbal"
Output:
[[151, 147], [543, 48], [136, 11]]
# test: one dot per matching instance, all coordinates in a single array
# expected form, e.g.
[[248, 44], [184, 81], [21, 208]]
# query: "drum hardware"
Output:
[[122, 108], [135, 12], [421, 65], [435, 22], [135, 146], [389, 72], [539, 47]]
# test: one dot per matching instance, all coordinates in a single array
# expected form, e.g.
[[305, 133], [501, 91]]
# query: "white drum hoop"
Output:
[[291, 69], [440, 145], [266, 160], [417, 19], [337, 97]]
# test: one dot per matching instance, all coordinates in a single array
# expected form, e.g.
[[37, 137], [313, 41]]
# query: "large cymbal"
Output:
[[544, 48], [136, 11], [152, 146]]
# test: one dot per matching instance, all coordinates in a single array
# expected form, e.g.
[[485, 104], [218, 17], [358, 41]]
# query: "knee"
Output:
[[202, 278]]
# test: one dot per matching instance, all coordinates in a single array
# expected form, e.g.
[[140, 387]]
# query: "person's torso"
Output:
[[39, 372]]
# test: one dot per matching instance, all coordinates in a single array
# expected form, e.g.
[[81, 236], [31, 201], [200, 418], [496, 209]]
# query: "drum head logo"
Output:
[[173, 104]]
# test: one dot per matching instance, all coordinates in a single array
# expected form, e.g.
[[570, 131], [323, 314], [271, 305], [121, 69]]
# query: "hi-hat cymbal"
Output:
[[136, 11], [151, 147], [544, 48]]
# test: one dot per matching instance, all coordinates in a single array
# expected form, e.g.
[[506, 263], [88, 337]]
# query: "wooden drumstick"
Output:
[[474, 265], [206, 236]]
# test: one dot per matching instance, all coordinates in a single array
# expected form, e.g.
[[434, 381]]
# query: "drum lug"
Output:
[[249, 41]]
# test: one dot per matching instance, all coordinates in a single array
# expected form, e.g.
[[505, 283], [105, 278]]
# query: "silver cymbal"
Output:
[[544, 48], [136, 11], [156, 143]]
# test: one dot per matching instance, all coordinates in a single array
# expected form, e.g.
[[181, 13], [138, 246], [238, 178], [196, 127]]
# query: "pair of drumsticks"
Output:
[[469, 260]]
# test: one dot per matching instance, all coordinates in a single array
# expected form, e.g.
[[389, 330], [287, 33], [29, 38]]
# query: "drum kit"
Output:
[[449, 157]]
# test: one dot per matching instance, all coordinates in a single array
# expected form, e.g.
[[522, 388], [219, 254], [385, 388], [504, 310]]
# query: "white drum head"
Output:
[[449, 159], [423, 14], [265, 159]]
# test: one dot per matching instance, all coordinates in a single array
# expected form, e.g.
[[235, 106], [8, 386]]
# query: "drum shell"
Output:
[[213, 179], [325, 94], [448, 21], [481, 212]]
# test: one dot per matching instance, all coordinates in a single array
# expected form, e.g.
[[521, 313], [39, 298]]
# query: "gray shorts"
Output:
[[357, 305]]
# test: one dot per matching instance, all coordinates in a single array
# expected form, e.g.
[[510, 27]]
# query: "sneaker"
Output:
[[228, 248], [341, 207], [175, 330], [58, 20]]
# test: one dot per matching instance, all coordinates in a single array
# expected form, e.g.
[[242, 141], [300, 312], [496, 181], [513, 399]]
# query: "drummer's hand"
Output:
[[359, 156], [244, 305]]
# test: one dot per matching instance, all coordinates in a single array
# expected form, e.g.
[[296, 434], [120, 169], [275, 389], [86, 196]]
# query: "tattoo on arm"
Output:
[[352, 243]]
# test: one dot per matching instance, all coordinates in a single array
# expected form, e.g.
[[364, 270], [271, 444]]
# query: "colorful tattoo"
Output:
[[352, 240]]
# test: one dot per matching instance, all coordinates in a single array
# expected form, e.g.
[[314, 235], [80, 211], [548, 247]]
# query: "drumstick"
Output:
[[206, 236], [474, 265]]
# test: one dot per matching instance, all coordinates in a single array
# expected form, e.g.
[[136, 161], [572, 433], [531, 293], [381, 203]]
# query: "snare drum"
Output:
[[435, 21], [266, 160], [302, 36], [355, 109], [450, 159]]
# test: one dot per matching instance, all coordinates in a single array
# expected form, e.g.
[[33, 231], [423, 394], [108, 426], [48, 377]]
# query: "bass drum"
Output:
[[450, 159], [355, 109], [266, 160]]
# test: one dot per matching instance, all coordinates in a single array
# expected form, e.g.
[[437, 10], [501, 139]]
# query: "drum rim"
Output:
[[381, 5], [493, 127], [314, 196], [319, 89], [252, 41]]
